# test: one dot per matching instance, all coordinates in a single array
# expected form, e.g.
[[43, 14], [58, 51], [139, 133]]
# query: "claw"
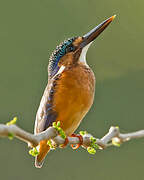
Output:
[[79, 144], [65, 143]]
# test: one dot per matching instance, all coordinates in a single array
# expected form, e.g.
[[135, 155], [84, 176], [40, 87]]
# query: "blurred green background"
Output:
[[29, 32]]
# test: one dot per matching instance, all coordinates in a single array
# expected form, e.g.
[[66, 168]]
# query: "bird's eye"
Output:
[[69, 49]]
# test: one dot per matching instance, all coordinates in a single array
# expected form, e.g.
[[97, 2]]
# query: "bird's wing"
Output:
[[46, 114]]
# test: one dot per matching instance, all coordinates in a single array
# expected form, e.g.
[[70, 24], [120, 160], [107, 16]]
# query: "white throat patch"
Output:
[[82, 57], [60, 70]]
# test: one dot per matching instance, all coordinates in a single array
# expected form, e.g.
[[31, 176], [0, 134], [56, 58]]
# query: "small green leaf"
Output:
[[82, 133], [54, 124], [96, 146], [93, 143], [10, 136], [116, 143], [91, 150], [50, 144], [59, 129], [92, 139], [63, 136], [13, 121], [33, 152], [58, 123], [93, 146]]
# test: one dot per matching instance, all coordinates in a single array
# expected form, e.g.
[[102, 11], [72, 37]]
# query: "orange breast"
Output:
[[74, 96]]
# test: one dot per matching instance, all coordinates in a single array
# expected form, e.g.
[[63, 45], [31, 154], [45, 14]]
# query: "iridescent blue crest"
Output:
[[60, 51]]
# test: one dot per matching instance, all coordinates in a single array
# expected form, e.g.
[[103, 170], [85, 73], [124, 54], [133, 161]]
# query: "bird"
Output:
[[70, 91]]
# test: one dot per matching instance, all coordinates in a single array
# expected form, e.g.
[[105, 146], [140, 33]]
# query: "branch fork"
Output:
[[113, 137]]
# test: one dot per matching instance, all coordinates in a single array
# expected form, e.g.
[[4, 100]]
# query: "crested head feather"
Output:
[[57, 54]]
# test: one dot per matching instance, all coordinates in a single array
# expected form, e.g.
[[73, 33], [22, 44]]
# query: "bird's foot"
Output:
[[65, 143], [76, 146]]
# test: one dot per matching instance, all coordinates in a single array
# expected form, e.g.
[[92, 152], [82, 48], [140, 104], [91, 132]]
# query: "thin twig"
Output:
[[113, 135]]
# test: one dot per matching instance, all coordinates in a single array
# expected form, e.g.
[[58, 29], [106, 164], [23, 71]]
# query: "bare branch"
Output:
[[29, 138], [113, 137]]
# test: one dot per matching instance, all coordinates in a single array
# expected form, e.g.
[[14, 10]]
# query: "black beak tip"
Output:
[[94, 33]]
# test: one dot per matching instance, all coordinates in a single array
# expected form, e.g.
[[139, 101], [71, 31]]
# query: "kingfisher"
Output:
[[70, 91]]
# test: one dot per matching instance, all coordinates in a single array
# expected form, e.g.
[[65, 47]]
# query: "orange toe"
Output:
[[80, 139], [65, 143]]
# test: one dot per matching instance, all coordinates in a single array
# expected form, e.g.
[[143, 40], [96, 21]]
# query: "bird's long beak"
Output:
[[94, 33]]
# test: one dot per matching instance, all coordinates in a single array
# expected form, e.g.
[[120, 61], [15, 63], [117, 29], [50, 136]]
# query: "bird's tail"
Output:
[[43, 150]]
